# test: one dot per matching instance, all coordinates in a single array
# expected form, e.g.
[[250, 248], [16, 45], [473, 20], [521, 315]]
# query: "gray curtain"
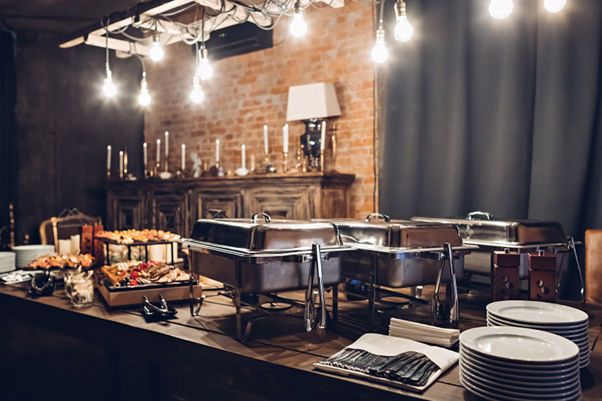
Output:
[[500, 116]]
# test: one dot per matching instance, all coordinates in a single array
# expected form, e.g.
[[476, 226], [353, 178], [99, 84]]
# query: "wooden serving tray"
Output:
[[133, 296]]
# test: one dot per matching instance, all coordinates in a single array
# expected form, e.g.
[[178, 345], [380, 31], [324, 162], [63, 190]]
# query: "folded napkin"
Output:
[[423, 332], [421, 357]]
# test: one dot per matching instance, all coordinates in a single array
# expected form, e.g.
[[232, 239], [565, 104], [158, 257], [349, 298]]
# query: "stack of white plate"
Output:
[[28, 253], [563, 320], [7, 261], [517, 364]]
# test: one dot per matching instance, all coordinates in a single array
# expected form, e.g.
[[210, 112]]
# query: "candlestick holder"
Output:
[[298, 158], [121, 174], [284, 162], [333, 141], [166, 165], [108, 174], [157, 170], [268, 167], [321, 167], [145, 171]]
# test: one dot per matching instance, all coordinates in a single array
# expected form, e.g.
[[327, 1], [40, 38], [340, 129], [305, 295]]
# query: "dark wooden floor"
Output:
[[49, 351]]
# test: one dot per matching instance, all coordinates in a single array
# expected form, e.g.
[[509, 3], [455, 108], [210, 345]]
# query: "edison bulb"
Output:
[[403, 29], [554, 6], [500, 9], [156, 52], [197, 94], [144, 98], [109, 89], [380, 53], [298, 26], [205, 71]]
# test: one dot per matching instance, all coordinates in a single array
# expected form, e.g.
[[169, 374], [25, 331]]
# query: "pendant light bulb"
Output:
[[500, 9], [144, 98], [380, 53], [298, 27], [205, 71], [554, 6], [109, 89], [196, 95], [403, 29], [156, 52]]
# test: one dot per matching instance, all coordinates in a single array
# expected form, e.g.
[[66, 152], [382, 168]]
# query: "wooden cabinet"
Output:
[[175, 205]]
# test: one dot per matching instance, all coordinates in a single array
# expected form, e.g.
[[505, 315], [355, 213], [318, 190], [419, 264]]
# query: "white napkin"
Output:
[[423, 332], [389, 346]]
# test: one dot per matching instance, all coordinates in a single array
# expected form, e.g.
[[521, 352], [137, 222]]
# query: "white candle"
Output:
[[120, 163], [217, 150], [158, 150], [183, 157], [285, 139], [323, 137], [108, 157], [166, 144], [265, 138], [144, 157], [243, 157]]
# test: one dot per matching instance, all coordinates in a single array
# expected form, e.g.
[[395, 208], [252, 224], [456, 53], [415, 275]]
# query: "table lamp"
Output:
[[312, 104]]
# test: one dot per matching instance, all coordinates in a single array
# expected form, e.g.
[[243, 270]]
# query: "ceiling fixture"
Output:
[[500, 9], [403, 29], [554, 6], [156, 52], [298, 27], [379, 52], [108, 88]]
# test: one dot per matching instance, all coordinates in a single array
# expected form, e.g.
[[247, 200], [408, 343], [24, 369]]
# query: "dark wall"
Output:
[[64, 125]]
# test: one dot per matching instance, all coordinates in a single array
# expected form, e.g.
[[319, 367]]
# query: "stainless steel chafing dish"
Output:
[[261, 256], [520, 236], [398, 253]]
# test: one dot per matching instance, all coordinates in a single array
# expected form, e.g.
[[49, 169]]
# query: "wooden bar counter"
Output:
[[96, 353]]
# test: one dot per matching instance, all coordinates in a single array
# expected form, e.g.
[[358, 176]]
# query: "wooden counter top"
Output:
[[276, 363]]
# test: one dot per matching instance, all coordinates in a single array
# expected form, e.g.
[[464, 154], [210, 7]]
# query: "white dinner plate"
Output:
[[576, 390], [537, 312], [582, 327], [535, 380], [522, 389], [519, 344], [518, 369], [573, 336], [497, 397]]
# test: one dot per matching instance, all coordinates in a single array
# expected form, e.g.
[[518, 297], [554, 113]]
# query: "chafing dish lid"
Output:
[[264, 235], [380, 231], [481, 228]]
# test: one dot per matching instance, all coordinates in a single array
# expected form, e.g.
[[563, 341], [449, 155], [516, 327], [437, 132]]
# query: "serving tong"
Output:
[[164, 311], [310, 315]]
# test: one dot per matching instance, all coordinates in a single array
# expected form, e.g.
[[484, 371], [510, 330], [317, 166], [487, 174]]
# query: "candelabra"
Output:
[[284, 161]]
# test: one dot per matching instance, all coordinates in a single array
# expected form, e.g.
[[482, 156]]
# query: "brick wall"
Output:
[[251, 90]]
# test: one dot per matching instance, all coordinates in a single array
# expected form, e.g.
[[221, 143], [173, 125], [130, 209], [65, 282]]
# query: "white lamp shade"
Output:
[[312, 101]]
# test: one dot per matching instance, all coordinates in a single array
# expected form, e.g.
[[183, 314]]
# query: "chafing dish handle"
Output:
[[472, 215], [377, 216], [318, 261], [267, 217]]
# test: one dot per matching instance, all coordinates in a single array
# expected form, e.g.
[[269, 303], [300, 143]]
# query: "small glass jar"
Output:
[[82, 289]]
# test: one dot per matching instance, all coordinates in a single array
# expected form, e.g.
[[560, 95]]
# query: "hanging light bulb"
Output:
[[205, 71], [109, 88], [144, 98], [298, 26], [380, 53], [500, 9], [554, 6], [156, 52], [403, 29], [196, 95]]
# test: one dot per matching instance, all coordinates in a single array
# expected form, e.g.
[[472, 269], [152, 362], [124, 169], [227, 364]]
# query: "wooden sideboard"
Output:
[[175, 205]]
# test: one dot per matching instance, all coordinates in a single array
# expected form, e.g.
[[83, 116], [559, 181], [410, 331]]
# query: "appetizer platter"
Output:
[[137, 237], [56, 261], [126, 283]]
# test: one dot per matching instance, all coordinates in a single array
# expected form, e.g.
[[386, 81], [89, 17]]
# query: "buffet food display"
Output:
[[129, 237], [136, 273], [65, 261]]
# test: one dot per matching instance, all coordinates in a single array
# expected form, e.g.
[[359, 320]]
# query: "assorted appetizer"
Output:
[[131, 236], [58, 261], [135, 273]]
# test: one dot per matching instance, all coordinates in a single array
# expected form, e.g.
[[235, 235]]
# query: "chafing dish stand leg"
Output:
[[237, 303], [188, 261]]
